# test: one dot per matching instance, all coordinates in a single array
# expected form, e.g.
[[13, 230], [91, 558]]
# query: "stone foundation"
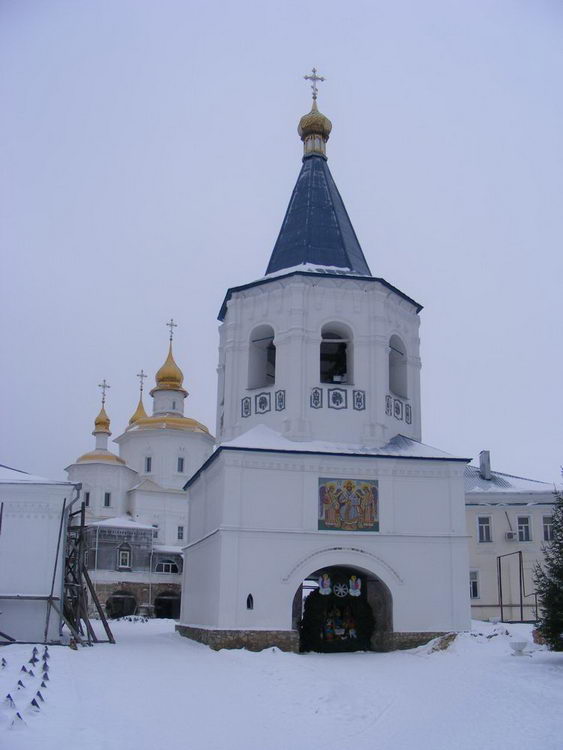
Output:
[[288, 640], [401, 641], [253, 640]]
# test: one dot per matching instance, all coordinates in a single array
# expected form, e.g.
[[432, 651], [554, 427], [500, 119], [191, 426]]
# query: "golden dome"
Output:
[[100, 455], [169, 377], [166, 421], [314, 123], [140, 412], [101, 423]]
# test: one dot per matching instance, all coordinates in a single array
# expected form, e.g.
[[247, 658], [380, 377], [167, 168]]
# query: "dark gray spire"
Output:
[[316, 228]]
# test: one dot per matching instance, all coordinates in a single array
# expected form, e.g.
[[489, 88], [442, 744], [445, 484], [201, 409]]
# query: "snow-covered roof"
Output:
[[167, 549], [147, 485], [15, 476], [312, 268], [507, 483], [261, 437], [121, 522]]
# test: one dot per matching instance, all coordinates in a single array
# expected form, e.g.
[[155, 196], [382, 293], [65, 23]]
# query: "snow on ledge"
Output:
[[262, 437], [120, 522], [16, 476]]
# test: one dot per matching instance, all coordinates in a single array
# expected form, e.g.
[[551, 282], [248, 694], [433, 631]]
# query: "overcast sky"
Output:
[[148, 153]]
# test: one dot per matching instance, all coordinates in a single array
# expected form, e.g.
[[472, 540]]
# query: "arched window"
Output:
[[250, 602], [166, 566], [336, 354], [397, 367], [262, 358]]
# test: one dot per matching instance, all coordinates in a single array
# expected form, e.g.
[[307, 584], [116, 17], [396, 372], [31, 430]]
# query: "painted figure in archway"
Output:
[[325, 586], [355, 586]]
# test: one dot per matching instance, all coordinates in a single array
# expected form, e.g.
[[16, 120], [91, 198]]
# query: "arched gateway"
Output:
[[342, 608]]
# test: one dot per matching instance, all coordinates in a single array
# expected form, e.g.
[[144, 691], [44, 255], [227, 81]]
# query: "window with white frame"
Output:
[[166, 566], [107, 499], [124, 556], [155, 531], [548, 528], [148, 464], [484, 526], [180, 465], [474, 584], [180, 532], [524, 529]]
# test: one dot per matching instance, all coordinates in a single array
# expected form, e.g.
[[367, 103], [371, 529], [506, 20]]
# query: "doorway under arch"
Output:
[[342, 608], [121, 604], [167, 605]]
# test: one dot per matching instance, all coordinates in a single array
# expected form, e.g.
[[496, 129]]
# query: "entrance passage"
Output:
[[121, 604], [337, 615], [167, 605]]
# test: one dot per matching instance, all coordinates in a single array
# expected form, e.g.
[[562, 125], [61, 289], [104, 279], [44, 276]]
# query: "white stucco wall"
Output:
[[255, 516], [97, 478], [165, 446], [297, 308]]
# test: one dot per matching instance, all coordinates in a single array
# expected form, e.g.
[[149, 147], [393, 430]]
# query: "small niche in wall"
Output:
[[250, 602]]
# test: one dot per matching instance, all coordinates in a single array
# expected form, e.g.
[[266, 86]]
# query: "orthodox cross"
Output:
[[104, 386], [172, 326], [314, 78], [141, 375]]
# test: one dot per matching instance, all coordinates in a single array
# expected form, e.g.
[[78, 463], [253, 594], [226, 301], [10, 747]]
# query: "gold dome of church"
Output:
[[101, 423], [169, 377], [140, 412], [100, 455], [314, 123]]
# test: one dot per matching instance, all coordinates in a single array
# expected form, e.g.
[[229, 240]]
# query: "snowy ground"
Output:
[[157, 690]]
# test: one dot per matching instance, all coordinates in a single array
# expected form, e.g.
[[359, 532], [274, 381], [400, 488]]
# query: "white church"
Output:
[[317, 519]]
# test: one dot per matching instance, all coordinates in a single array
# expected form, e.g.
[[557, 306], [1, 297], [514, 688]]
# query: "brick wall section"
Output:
[[253, 640], [139, 590]]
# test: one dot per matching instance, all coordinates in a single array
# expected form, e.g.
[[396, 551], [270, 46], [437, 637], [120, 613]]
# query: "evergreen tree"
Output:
[[549, 582]]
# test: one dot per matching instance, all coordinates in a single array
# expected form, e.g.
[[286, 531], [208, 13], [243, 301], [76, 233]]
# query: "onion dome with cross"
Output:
[[102, 433]]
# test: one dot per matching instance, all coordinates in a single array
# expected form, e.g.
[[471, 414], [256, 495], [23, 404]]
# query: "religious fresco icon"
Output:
[[348, 504]]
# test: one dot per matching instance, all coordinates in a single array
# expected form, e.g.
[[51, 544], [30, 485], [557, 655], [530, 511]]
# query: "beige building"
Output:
[[508, 521]]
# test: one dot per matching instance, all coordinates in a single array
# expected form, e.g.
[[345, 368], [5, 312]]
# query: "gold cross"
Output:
[[172, 326], [141, 375], [104, 386], [314, 78]]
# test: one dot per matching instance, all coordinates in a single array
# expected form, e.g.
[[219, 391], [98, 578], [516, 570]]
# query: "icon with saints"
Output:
[[348, 504]]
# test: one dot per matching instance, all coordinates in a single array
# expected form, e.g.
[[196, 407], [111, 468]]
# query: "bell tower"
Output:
[[319, 349]]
